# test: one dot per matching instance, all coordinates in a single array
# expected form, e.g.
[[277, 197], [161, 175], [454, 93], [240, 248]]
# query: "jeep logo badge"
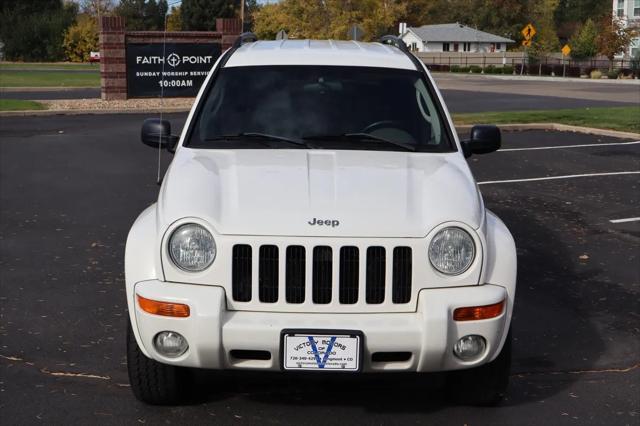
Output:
[[326, 222]]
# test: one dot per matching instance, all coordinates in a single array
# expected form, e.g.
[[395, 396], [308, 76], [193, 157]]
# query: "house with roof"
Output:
[[451, 38]]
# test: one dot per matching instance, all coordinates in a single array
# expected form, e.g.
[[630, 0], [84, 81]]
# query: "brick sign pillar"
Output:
[[113, 72], [113, 48], [229, 29]]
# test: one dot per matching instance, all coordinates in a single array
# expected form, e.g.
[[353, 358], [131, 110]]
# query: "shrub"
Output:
[[464, 69], [546, 69], [455, 68], [475, 69], [613, 74], [491, 69], [507, 69], [596, 74]]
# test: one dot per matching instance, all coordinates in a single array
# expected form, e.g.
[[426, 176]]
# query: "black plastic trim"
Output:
[[244, 38]]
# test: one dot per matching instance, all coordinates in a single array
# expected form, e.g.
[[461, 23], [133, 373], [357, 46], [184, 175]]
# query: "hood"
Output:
[[320, 193]]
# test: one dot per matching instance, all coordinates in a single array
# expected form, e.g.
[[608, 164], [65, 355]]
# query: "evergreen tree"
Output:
[[583, 42], [546, 38], [200, 15], [143, 15], [34, 30]]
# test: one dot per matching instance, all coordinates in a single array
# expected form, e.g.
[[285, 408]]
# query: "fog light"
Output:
[[170, 344], [469, 347]]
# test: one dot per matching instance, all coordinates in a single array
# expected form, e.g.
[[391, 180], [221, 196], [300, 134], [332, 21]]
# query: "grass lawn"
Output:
[[17, 105], [48, 66], [625, 119], [49, 79]]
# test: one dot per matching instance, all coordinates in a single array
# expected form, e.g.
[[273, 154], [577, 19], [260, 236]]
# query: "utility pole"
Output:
[[242, 14]]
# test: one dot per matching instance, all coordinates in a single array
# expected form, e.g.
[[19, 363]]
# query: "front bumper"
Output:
[[213, 332]]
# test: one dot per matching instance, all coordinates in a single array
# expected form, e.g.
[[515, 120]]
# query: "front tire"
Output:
[[485, 385], [153, 382]]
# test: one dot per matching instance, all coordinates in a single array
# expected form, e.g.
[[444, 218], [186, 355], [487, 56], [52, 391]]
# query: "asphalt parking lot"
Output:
[[71, 186], [463, 93]]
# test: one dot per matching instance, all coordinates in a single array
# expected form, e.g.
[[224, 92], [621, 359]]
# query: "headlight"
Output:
[[452, 251], [192, 248]]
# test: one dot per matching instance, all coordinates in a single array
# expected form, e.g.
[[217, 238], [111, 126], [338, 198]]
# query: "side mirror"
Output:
[[483, 139], [158, 132]]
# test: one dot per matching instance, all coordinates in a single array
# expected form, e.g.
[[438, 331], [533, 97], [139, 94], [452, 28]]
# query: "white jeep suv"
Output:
[[319, 215]]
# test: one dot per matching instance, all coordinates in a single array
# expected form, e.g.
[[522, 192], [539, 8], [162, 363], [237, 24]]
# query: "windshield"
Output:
[[319, 107]]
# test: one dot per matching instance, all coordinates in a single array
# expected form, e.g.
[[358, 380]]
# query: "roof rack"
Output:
[[243, 38], [394, 41], [400, 44]]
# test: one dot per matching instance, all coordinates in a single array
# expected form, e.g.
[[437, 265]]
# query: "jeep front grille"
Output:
[[347, 268], [241, 273], [295, 274], [349, 274], [268, 276]]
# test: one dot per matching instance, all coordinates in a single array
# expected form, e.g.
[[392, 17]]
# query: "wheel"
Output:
[[485, 385], [153, 382]]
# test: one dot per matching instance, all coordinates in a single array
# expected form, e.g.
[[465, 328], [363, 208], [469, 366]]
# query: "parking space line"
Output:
[[569, 146], [629, 219], [557, 177]]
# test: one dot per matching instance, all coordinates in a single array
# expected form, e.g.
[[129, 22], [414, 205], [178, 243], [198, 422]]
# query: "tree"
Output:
[[34, 30], [570, 14], [613, 38], [96, 8], [200, 15], [143, 15], [328, 18], [583, 42], [81, 39], [546, 38], [174, 19]]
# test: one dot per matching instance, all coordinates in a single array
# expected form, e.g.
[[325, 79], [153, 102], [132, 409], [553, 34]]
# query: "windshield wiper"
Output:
[[256, 135], [361, 136]]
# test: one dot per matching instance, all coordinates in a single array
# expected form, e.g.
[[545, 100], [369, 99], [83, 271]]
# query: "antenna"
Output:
[[162, 76]]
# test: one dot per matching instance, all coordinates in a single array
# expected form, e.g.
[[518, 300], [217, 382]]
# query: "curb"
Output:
[[549, 79], [52, 112], [516, 127], [46, 89]]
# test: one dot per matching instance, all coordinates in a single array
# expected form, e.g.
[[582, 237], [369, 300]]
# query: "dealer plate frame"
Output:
[[322, 332]]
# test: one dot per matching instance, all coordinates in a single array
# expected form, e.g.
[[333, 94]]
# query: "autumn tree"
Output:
[[583, 42], [328, 19], [174, 19], [613, 36], [81, 39]]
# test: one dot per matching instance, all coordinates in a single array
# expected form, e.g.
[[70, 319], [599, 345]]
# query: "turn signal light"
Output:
[[473, 313], [165, 309]]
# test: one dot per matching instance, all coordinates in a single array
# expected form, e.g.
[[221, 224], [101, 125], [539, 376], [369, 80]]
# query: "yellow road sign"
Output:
[[528, 31], [566, 50], [526, 43]]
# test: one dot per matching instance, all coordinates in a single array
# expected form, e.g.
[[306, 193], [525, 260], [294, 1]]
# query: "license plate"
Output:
[[321, 352]]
